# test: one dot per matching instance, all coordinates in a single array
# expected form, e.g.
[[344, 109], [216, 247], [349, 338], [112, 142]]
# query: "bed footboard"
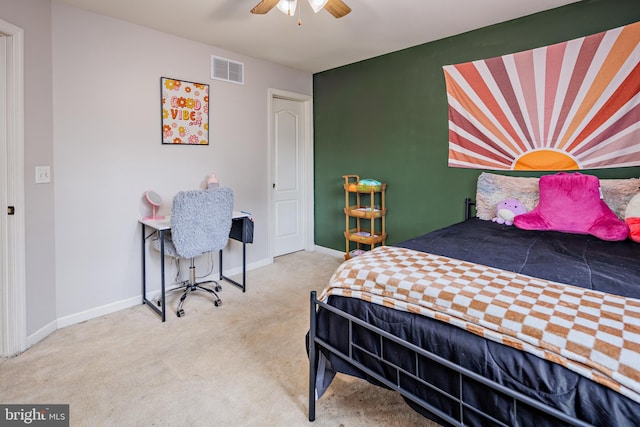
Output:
[[465, 410]]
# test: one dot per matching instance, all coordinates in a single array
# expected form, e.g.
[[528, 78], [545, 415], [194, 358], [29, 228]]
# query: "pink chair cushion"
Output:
[[571, 203]]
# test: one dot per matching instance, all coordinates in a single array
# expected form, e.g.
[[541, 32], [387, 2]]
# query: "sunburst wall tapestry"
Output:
[[572, 105]]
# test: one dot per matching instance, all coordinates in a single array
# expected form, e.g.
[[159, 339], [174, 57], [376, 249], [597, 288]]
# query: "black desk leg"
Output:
[[144, 268], [162, 310], [242, 286], [162, 284]]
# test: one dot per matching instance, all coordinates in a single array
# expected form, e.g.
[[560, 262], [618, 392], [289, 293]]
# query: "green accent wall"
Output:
[[386, 118]]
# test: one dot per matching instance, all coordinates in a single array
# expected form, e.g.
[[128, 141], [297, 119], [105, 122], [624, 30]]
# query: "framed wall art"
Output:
[[185, 112]]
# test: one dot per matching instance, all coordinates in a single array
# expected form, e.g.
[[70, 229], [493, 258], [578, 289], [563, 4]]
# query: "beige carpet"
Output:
[[241, 364]]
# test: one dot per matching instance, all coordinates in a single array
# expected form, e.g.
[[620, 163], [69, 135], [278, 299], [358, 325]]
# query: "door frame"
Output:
[[307, 187], [13, 334]]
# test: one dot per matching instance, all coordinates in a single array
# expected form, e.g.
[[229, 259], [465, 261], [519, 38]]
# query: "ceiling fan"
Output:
[[335, 7]]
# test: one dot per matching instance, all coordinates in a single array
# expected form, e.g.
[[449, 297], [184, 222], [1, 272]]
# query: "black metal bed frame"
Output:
[[316, 344]]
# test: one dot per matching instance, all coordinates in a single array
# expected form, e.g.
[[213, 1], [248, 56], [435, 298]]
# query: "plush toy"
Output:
[[507, 209], [632, 218]]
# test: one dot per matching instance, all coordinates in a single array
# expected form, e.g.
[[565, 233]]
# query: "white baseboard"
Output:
[[42, 333], [252, 266], [92, 313], [329, 251]]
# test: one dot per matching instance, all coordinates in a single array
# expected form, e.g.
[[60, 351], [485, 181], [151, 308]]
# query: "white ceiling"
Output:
[[322, 42]]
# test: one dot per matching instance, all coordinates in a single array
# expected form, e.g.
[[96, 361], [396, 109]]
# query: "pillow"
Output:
[[492, 188], [571, 203], [618, 192]]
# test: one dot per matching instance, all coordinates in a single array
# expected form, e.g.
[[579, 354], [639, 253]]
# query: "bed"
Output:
[[453, 370]]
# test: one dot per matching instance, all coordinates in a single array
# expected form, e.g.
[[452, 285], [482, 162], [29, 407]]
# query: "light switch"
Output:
[[43, 174]]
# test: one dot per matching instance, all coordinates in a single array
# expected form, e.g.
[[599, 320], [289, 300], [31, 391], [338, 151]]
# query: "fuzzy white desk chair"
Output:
[[200, 223]]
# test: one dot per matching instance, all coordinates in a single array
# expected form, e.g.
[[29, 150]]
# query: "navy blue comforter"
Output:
[[580, 260], [575, 259]]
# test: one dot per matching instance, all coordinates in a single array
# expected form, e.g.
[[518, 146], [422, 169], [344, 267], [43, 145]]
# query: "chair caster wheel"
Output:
[[180, 313], [217, 303], [218, 288], [159, 303]]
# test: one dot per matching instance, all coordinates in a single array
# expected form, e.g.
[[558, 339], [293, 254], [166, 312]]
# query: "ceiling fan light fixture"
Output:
[[288, 7], [317, 5], [337, 8]]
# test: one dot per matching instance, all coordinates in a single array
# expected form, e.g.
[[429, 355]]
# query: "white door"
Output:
[[288, 154], [3, 193], [13, 326]]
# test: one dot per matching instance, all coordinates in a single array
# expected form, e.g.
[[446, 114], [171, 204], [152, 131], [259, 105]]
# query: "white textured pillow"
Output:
[[618, 192], [493, 188]]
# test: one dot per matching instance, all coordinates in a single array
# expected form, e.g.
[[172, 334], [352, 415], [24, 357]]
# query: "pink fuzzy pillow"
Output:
[[571, 203]]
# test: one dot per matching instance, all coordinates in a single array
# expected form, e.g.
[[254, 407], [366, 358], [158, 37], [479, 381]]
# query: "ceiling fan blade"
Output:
[[337, 8], [264, 6]]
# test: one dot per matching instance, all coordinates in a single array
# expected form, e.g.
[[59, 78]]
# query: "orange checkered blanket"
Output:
[[592, 333]]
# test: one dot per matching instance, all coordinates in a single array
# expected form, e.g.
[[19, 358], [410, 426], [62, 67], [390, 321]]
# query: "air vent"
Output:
[[227, 70]]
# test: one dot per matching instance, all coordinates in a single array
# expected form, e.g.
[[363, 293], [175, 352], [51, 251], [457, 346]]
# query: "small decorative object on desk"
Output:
[[155, 201], [213, 182], [365, 214]]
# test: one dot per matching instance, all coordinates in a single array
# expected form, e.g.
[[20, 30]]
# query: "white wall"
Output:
[[34, 17], [107, 151]]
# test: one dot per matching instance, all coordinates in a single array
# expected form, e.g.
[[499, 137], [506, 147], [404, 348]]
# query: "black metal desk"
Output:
[[160, 227], [241, 230]]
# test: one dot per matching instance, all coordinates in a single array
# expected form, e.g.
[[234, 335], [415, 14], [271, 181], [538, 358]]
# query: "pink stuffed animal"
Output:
[[507, 209]]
